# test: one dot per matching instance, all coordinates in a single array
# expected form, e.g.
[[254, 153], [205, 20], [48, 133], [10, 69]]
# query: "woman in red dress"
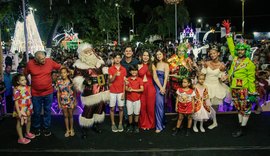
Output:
[[148, 98]]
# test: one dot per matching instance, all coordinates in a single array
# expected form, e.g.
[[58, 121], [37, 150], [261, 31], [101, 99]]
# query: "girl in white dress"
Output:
[[215, 75], [203, 110]]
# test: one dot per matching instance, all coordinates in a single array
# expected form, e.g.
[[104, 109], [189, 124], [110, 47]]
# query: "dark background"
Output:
[[257, 15]]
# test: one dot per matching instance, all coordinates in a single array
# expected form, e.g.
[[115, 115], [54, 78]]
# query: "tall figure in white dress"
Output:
[[215, 75]]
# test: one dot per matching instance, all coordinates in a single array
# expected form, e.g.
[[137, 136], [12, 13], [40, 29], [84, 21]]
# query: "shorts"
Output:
[[133, 107], [116, 98]]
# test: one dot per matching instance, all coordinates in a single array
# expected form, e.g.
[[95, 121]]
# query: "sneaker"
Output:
[[30, 135], [114, 128], [36, 132], [136, 129], [47, 132], [129, 129], [120, 128], [23, 141]]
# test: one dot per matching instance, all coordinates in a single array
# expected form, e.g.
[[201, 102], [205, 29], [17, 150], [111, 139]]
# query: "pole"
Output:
[[118, 24], [175, 18], [243, 17], [25, 31], [133, 23]]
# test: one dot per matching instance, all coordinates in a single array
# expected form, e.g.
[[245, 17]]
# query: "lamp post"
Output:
[[175, 2], [200, 22], [243, 16], [118, 22], [133, 27], [25, 31]]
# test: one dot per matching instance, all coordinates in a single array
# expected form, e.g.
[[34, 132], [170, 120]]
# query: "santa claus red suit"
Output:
[[90, 82]]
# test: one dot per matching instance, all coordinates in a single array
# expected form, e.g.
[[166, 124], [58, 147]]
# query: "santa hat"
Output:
[[83, 46]]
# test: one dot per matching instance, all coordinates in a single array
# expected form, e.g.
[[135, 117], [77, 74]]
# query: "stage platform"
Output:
[[213, 142]]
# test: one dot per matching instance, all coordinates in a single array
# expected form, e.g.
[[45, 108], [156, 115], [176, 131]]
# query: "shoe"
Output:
[[213, 126], [37, 132], [195, 129], [72, 133], [188, 132], [114, 128], [96, 128], [202, 129], [158, 131], [47, 132], [67, 134], [24, 141], [120, 128], [129, 129], [239, 132], [30, 135], [136, 129], [175, 131]]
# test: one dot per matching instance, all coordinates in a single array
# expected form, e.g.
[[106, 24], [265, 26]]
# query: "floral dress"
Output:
[[66, 90]]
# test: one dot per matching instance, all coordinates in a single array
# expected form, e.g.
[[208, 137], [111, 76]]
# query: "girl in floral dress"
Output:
[[66, 97]]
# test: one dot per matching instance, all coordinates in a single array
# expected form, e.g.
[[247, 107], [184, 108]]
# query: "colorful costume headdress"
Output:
[[183, 47], [244, 46]]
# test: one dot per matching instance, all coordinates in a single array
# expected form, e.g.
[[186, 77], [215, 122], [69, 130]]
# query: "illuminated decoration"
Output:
[[206, 34], [34, 40], [68, 39], [253, 50], [172, 1], [187, 34]]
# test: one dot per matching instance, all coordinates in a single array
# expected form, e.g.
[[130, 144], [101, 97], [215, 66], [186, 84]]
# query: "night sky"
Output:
[[257, 14]]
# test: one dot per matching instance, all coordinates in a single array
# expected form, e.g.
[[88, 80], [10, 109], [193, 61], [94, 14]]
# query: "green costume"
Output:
[[241, 78]]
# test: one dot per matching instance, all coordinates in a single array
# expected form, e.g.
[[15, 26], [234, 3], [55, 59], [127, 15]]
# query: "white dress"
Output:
[[217, 91]]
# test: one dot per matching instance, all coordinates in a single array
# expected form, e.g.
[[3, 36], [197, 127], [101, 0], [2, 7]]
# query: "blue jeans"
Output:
[[38, 102]]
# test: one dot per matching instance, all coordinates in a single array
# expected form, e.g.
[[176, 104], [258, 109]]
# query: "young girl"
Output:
[[184, 104], [66, 97], [23, 108], [202, 104]]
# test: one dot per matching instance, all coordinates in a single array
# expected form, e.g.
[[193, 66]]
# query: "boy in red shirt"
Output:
[[117, 75], [134, 88]]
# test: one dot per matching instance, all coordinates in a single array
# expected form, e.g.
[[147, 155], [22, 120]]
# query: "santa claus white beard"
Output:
[[90, 60]]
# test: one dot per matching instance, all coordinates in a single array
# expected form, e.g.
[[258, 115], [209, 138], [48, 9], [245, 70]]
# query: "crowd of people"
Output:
[[143, 84]]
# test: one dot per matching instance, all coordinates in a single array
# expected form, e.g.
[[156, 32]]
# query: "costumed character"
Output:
[[180, 65], [89, 80], [242, 80]]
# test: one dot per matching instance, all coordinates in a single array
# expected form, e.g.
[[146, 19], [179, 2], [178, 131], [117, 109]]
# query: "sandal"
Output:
[[72, 133], [23, 141], [30, 135], [67, 134]]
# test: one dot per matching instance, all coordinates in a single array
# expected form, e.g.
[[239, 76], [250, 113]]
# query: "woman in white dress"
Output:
[[215, 75]]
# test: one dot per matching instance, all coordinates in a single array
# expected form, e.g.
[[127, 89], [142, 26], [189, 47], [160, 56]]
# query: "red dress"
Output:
[[148, 100], [184, 104]]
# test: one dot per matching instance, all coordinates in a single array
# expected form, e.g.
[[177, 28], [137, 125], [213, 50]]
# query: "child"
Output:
[[117, 74], [184, 104], [134, 88], [23, 107], [2, 91], [202, 104], [66, 97]]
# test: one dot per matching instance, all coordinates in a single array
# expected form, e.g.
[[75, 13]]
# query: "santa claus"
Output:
[[90, 82]]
